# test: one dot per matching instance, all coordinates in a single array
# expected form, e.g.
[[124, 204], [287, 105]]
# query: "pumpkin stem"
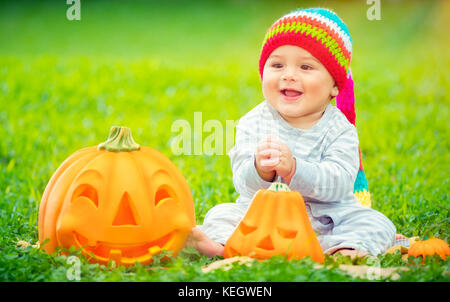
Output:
[[279, 187], [119, 140]]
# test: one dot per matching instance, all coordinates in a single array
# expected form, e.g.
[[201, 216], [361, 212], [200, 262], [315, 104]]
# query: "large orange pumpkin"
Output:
[[276, 223], [117, 201], [429, 247]]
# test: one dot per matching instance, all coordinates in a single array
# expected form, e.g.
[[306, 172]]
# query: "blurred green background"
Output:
[[145, 64]]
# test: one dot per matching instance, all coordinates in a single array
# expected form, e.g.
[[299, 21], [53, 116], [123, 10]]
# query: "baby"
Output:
[[296, 134]]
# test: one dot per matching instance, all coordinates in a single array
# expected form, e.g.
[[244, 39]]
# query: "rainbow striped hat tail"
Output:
[[345, 101]]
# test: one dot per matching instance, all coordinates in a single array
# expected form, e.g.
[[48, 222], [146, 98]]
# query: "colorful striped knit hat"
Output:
[[322, 33]]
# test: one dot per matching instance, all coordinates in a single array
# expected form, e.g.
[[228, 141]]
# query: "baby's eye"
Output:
[[277, 65], [306, 67]]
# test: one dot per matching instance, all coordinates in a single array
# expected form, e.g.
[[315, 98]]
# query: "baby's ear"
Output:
[[334, 91]]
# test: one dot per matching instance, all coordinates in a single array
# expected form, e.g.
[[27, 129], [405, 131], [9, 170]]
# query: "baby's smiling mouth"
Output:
[[291, 93]]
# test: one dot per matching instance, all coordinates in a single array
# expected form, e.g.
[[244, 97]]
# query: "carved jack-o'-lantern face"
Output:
[[119, 202], [276, 223]]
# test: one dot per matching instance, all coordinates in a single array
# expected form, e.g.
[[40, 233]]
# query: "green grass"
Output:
[[145, 65]]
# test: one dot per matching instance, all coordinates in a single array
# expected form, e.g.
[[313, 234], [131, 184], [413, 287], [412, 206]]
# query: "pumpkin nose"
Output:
[[266, 243], [124, 215]]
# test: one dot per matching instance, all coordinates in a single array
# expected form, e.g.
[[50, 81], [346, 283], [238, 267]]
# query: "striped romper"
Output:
[[327, 164]]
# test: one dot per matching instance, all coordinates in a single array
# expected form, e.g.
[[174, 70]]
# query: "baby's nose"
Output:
[[289, 74]]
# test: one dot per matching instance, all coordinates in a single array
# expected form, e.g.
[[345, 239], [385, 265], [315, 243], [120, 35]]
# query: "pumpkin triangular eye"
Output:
[[289, 234], [124, 214], [246, 229], [88, 192]]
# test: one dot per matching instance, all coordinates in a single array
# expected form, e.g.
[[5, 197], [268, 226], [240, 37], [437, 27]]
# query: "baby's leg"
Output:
[[363, 229], [218, 225]]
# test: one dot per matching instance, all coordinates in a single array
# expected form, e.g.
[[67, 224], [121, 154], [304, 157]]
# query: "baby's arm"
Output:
[[334, 176]]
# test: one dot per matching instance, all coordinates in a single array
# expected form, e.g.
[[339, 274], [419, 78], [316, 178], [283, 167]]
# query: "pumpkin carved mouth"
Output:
[[117, 251]]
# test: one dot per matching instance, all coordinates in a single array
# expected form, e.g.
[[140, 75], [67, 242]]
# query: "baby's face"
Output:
[[297, 85]]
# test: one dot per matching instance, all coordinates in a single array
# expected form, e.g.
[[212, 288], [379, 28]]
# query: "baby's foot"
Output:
[[202, 243]]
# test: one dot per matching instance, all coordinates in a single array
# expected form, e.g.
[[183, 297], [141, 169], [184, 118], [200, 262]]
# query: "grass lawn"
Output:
[[144, 65]]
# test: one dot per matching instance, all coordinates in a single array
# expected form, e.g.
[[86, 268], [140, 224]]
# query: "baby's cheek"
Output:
[[315, 92], [270, 91], [321, 85], [266, 91]]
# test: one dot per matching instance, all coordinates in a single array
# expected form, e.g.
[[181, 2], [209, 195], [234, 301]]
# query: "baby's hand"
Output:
[[273, 156], [287, 165], [267, 157]]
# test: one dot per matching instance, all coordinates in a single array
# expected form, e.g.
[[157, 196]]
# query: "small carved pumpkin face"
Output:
[[276, 223], [122, 206]]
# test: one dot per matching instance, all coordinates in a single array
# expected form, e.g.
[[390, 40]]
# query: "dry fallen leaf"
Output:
[[403, 249], [370, 272], [24, 244], [227, 264], [363, 271]]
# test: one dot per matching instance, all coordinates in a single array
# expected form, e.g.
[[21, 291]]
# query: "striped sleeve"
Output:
[[334, 176]]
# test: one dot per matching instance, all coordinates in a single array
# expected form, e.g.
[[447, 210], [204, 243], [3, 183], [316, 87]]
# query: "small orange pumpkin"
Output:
[[118, 201], [429, 247], [276, 223]]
